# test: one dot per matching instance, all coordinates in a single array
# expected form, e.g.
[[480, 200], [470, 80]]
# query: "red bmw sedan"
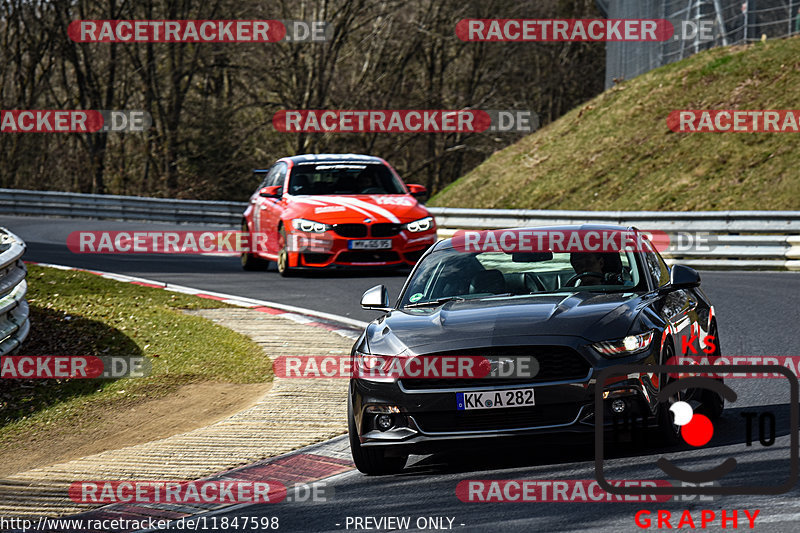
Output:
[[335, 210]]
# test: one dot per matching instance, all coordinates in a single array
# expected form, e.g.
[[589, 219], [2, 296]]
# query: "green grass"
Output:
[[77, 313], [617, 153]]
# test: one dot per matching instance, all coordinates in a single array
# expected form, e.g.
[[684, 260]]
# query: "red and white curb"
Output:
[[341, 325], [312, 463]]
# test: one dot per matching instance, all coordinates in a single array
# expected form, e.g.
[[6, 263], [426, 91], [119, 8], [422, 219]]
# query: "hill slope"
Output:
[[616, 151]]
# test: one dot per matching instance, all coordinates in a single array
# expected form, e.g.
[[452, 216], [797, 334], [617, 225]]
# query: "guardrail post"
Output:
[[793, 252]]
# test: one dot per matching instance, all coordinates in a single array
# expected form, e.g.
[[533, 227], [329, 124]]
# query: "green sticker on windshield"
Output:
[[415, 297]]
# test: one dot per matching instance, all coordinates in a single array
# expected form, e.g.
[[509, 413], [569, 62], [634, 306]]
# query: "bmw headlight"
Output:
[[423, 224], [309, 226], [629, 345]]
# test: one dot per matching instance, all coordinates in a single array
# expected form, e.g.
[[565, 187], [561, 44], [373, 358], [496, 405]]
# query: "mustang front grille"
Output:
[[556, 363]]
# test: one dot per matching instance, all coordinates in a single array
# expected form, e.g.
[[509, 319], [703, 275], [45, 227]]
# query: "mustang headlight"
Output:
[[377, 367], [309, 226], [629, 345], [423, 224], [368, 363]]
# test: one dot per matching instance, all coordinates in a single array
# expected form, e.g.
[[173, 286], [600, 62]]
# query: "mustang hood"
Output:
[[330, 209], [486, 322]]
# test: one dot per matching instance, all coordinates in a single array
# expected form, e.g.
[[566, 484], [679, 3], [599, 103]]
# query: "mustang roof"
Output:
[[448, 243]]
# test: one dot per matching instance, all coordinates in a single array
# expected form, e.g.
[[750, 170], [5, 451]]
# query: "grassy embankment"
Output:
[[617, 153], [77, 313]]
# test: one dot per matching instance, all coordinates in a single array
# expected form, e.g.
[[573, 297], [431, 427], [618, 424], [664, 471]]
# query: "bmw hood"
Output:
[[333, 209], [498, 321]]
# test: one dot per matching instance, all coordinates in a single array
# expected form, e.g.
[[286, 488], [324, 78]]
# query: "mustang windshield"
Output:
[[453, 274], [343, 178]]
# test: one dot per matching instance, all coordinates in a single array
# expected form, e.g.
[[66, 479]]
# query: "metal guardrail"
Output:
[[735, 239], [668, 221], [66, 204], [742, 240], [14, 322]]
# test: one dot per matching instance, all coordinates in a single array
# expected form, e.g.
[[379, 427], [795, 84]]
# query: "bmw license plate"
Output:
[[494, 399], [370, 244]]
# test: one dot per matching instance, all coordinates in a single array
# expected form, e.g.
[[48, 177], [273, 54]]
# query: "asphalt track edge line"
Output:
[[240, 301]]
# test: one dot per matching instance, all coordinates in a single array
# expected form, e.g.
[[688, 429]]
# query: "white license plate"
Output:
[[494, 399], [370, 244]]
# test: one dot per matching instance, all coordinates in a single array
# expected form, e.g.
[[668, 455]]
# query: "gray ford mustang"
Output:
[[565, 315]]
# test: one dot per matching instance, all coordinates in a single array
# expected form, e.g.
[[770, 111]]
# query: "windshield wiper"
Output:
[[437, 302]]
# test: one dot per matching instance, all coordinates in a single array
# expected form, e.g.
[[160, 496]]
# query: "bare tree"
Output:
[[212, 103]]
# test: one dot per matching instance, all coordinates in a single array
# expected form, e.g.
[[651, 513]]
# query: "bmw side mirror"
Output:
[[376, 299], [273, 191], [418, 191], [683, 277]]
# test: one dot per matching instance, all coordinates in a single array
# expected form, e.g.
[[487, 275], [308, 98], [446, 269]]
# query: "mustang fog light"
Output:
[[383, 409], [618, 406], [384, 422]]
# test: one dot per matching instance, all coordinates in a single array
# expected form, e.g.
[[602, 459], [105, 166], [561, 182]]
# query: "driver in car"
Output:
[[596, 268], [364, 182]]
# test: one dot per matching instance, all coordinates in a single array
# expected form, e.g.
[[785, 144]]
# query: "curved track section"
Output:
[[758, 315], [334, 291]]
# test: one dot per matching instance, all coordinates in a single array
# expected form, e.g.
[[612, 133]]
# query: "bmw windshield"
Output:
[[451, 274], [344, 178]]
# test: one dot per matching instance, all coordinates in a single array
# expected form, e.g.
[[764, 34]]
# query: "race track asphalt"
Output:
[[758, 314]]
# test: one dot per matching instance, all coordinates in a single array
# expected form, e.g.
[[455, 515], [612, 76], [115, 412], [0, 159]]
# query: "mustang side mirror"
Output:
[[273, 191], [682, 277], [376, 299], [417, 191]]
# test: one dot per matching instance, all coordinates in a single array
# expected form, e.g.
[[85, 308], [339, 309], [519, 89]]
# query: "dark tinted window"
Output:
[[276, 175], [343, 178], [657, 267], [452, 273]]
